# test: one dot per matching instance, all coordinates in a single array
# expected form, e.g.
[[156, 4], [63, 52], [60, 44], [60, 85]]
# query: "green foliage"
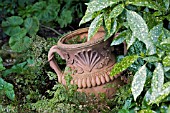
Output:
[[143, 25], [123, 64], [6, 87], [1, 65], [19, 41], [140, 30], [95, 25], [139, 81], [119, 39], [65, 99], [31, 16], [28, 73]]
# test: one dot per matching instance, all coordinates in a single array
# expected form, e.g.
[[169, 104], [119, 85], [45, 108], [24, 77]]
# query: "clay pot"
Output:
[[90, 62]]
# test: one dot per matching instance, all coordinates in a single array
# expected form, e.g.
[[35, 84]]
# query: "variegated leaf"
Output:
[[124, 64], [112, 31], [155, 32], [119, 39], [88, 16], [94, 26], [146, 3], [117, 10], [166, 41], [166, 61], [96, 6], [148, 96], [151, 59], [163, 94], [157, 81], [130, 40], [139, 81], [108, 23], [140, 30]]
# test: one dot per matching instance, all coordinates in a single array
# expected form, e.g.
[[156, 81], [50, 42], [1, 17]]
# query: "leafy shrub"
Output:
[[138, 21]]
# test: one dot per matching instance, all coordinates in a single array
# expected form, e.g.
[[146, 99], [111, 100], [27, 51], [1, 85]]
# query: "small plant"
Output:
[[5, 87]]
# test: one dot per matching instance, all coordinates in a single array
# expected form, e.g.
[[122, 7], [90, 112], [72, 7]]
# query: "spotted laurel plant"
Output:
[[144, 21]]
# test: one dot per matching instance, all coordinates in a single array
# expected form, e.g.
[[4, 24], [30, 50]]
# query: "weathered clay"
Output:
[[90, 62]]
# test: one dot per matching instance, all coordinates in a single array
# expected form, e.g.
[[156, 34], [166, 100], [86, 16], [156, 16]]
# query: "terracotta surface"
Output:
[[90, 62]]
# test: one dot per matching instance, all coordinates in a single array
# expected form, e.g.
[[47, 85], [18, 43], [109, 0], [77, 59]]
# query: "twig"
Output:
[[51, 29]]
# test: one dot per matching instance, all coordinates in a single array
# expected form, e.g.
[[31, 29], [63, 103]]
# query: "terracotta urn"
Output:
[[90, 62]]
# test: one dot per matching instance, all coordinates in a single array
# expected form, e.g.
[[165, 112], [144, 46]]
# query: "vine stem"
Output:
[[51, 29]]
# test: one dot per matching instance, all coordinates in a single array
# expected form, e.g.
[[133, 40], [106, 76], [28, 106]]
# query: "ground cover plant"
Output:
[[27, 84]]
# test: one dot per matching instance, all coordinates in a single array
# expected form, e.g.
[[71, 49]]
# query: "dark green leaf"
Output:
[[20, 42], [140, 30], [46, 13], [31, 25], [11, 31], [117, 10], [1, 65], [10, 94], [139, 81], [12, 21], [18, 68], [166, 61], [65, 18], [124, 64], [1, 83], [119, 39], [94, 26], [7, 88]]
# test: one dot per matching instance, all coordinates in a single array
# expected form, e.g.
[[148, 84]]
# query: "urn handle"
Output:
[[53, 63]]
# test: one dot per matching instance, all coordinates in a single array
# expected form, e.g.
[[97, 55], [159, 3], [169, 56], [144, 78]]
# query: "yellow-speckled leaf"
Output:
[[96, 6], [117, 10], [94, 26], [163, 94], [140, 30], [166, 61], [147, 3], [124, 64]]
